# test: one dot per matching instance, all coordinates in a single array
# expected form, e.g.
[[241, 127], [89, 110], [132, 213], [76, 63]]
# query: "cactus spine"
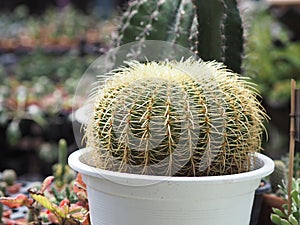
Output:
[[187, 118], [212, 29]]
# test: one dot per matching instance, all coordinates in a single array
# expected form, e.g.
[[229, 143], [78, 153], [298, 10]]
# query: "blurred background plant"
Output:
[[42, 58], [272, 57], [282, 216], [43, 55], [60, 28]]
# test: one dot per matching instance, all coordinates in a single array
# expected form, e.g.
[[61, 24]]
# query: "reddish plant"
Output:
[[64, 213]]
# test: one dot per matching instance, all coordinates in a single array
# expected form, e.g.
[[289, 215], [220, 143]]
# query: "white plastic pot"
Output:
[[129, 199]]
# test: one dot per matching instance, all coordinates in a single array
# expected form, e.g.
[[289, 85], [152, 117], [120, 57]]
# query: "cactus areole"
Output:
[[175, 118]]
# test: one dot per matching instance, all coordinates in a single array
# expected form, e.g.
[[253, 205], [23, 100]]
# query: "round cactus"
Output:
[[9, 176], [187, 118], [279, 176]]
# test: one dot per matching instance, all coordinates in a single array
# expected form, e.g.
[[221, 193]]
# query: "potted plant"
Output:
[[59, 199], [46, 204], [173, 143], [280, 213], [174, 140], [269, 195]]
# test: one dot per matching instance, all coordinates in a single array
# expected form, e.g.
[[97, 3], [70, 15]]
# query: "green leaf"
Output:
[[46, 203], [279, 213], [275, 219], [285, 207], [43, 201], [295, 196], [296, 215], [293, 220], [75, 210], [285, 222], [58, 196]]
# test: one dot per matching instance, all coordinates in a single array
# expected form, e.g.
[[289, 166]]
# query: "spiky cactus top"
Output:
[[211, 28], [187, 118]]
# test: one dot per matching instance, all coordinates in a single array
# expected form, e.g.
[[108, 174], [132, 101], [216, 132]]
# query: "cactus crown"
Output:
[[212, 29], [186, 118]]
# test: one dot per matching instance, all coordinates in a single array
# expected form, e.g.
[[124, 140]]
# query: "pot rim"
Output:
[[76, 163]]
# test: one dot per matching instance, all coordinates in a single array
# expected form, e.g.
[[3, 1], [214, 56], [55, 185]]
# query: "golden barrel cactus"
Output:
[[175, 118]]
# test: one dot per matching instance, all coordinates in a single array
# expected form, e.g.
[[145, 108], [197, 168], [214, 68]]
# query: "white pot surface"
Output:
[[129, 199]]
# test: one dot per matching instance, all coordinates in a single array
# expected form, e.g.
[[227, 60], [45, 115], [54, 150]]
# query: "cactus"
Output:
[[62, 172], [9, 176], [186, 118], [296, 169], [279, 175], [62, 161], [212, 29], [62, 152]]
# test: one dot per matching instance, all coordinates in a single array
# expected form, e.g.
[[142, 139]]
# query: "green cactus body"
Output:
[[212, 29], [187, 118], [279, 176], [146, 20], [62, 152], [61, 170]]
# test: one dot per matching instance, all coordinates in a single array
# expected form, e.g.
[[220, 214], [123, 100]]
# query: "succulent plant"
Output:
[[46, 204], [175, 118], [279, 175], [9, 176], [296, 169], [212, 29], [61, 170], [282, 217]]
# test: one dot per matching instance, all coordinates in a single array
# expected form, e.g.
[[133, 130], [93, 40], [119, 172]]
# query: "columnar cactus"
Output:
[[212, 29], [187, 118], [61, 170]]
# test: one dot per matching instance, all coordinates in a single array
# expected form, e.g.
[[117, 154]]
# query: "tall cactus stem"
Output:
[[220, 32], [62, 158], [210, 15], [62, 152], [212, 29], [234, 36], [180, 29]]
